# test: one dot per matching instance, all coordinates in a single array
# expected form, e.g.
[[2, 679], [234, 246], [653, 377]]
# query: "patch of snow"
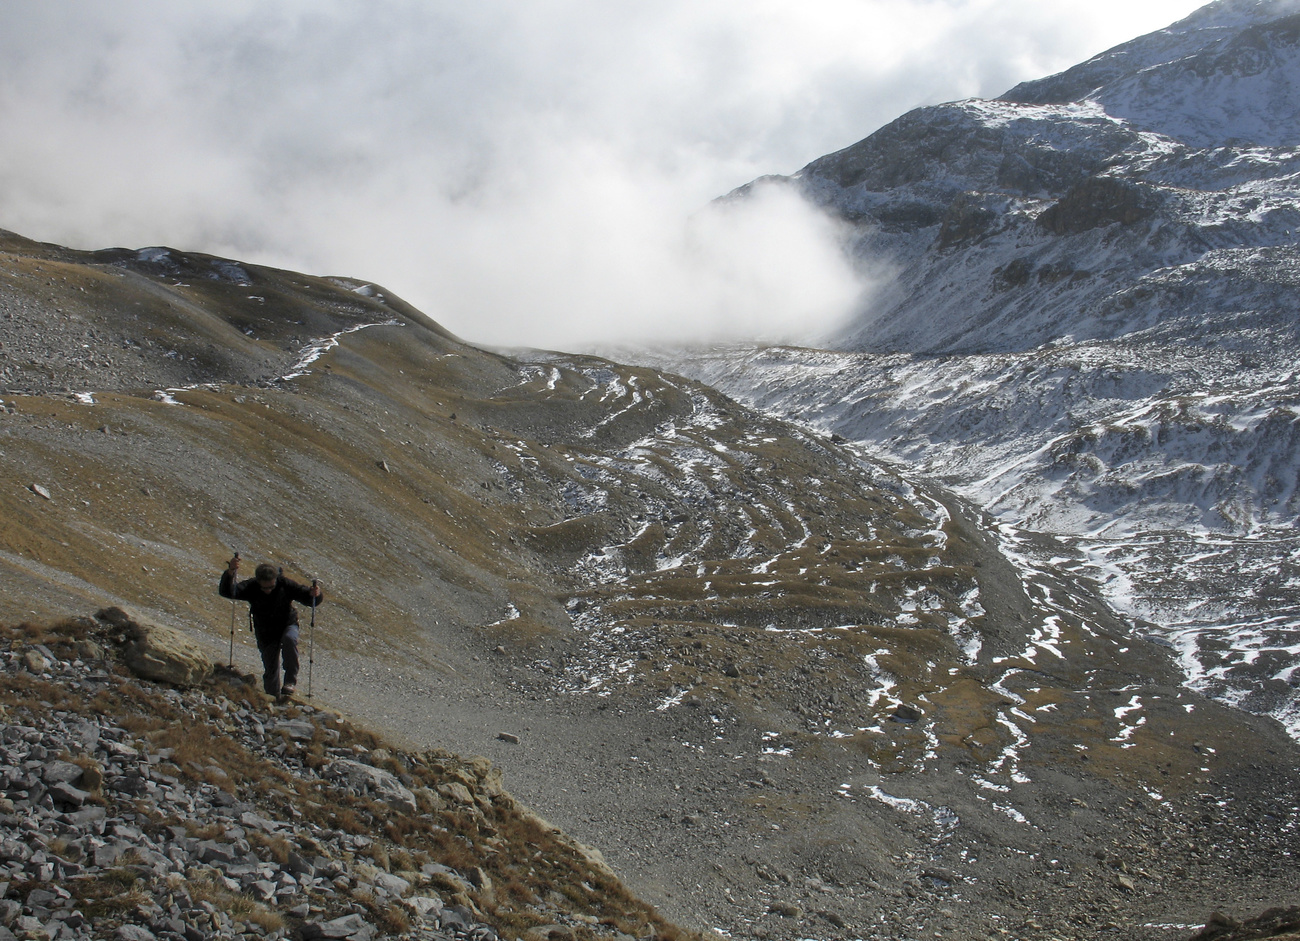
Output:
[[318, 348]]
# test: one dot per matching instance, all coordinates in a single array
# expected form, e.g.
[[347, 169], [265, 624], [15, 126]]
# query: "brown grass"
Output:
[[240, 907], [389, 917], [379, 853]]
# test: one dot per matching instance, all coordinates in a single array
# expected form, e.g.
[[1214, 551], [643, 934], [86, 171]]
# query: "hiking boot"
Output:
[[287, 689]]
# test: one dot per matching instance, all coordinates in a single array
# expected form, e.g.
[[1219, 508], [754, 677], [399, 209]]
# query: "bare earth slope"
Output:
[[786, 691]]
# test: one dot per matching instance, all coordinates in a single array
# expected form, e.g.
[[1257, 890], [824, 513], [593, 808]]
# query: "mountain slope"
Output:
[[1086, 322], [787, 690]]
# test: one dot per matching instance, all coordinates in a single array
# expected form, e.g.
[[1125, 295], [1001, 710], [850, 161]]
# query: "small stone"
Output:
[[457, 792], [299, 730], [40, 491], [134, 933], [256, 822], [40, 897], [508, 737]]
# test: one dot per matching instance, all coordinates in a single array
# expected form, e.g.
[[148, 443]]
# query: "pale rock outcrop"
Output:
[[157, 652]]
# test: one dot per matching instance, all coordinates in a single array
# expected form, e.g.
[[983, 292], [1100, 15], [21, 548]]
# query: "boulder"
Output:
[[65, 794], [457, 792], [425, 905], [395, 886], [156, 652], [375, 781], [54, 772], [352, 927]]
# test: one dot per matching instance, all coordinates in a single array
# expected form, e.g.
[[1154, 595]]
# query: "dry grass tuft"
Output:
[[208, 831], [277, 847], [240, 907]]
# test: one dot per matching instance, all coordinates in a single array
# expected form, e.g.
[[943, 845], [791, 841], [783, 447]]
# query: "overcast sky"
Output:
[[522, 170]]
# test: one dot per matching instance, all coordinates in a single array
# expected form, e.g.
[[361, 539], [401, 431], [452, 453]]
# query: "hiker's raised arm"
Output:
[[304, 594], [226, 587]]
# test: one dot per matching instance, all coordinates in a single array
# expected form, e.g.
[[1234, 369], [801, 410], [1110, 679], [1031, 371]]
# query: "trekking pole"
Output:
[[231, 662], [311, 640]]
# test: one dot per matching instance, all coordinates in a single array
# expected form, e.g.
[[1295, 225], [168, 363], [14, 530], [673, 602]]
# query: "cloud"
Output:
[[527, 173]]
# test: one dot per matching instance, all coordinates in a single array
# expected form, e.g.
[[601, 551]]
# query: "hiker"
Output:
[[270, 598]]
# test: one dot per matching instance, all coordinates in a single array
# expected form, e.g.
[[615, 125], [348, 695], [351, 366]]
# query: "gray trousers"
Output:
[[286, 649]]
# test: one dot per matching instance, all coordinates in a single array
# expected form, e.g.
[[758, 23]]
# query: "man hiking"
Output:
[[270, 598]]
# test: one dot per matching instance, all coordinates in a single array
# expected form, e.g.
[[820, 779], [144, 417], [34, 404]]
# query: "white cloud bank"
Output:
[[527, 173]]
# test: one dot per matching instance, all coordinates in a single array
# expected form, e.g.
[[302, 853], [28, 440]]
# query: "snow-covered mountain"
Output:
[[1162, 191], [1088, 321]]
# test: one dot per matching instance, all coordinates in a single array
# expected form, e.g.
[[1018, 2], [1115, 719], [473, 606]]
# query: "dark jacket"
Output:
[[273, 613]]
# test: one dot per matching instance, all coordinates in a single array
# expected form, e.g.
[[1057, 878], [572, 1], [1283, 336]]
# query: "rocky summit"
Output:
[[788, 691]]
